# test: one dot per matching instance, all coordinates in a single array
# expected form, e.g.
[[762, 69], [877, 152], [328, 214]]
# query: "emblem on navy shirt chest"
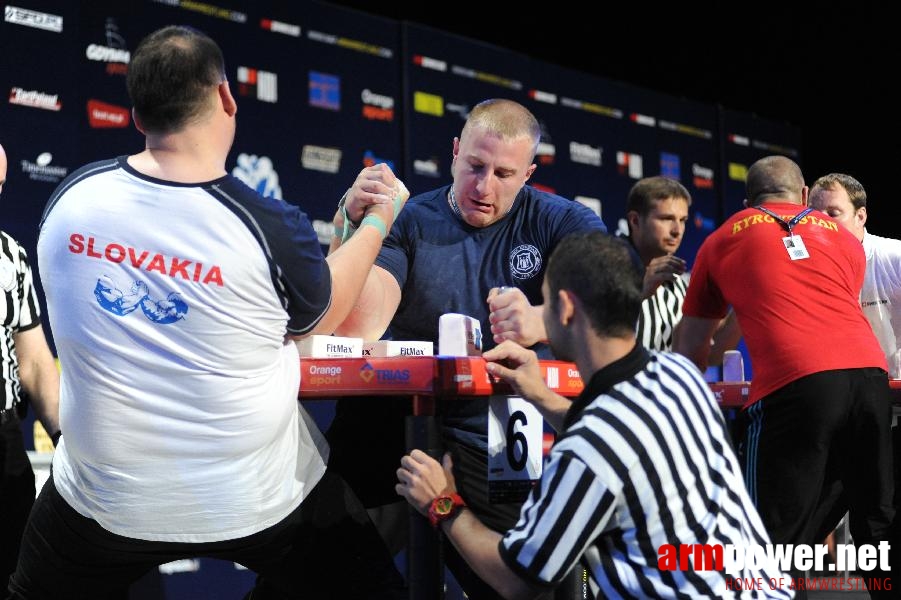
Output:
[[525, 261]]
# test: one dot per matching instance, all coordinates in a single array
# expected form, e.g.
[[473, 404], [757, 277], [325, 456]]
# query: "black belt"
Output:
[[7, 415]]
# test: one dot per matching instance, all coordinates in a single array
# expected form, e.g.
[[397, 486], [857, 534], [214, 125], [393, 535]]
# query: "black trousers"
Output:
[[326, 549], [820, 447], [16, 495]]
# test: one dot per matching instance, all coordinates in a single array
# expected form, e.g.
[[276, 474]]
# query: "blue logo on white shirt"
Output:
[[120, 303]]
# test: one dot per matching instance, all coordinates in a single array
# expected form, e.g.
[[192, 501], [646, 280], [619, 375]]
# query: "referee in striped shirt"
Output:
[[642, 461], [25, 363], [656, 214]]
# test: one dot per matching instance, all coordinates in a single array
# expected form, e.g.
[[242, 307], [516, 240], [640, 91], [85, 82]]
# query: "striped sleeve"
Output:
[[552, 534]]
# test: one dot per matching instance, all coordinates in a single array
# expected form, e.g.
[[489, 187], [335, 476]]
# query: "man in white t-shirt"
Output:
[[175, 293], [844, 199]]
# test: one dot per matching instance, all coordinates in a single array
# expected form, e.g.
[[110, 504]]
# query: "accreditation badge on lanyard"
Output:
[[794, 245]]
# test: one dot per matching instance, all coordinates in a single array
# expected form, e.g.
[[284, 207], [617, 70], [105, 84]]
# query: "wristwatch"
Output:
[[444, 507]]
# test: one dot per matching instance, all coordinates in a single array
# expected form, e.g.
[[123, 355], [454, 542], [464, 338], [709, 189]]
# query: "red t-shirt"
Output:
[[797, 316]]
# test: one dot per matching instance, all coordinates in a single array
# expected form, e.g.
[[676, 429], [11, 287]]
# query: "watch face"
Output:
[[444, 505]]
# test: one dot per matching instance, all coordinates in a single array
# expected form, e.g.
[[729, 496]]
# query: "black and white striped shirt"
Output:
[[661, 313], [644, 461], [20, 311]]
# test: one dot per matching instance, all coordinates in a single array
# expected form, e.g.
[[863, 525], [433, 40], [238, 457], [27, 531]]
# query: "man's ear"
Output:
[[530, 170], [862, 215], [566, 307], [137, 121], [228, 101], [632, 220]]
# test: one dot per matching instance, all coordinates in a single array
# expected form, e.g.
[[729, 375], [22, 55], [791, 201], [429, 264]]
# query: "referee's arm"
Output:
[[421, 479], [38, 375]]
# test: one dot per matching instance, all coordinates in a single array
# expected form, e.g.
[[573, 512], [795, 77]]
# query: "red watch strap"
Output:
[[444, 507]]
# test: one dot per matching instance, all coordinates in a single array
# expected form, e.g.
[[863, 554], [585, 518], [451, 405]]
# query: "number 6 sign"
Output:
[[515, 432]]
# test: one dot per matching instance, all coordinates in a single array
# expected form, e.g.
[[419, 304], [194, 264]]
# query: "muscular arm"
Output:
[[421, 478], [375, 307], [519, 367], [354, 279], [513, 318], [726, 337], [692, 339], [364, 297], [39, 376], [478, 545]]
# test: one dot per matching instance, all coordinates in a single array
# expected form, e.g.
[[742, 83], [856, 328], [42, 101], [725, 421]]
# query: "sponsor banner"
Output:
[[107, 116], [32, 18], [702, 177], [280, 27], [324, 90], [207, 9], [350, 44], [35, 99], [42, 169], [263, 85], [320, 158]]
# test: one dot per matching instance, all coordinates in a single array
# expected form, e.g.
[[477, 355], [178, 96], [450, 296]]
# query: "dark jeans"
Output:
[[326, 549]]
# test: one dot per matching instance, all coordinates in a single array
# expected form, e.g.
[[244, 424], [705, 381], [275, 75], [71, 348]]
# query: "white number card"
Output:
[[515, 434]]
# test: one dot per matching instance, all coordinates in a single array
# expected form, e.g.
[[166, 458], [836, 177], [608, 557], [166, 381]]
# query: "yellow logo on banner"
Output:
[[738, 171], [429, 104]]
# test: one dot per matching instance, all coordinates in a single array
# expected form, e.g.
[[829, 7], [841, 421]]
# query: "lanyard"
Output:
[[787, 225]]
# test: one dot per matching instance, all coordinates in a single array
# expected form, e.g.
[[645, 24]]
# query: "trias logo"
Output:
[[107, 116], [33, 18], [34, 99], [377, 107], [114, 53]]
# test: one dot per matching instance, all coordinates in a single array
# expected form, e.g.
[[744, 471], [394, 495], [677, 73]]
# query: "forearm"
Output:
[[725, 338], [39, 378], [478, 545], [538, 320], [370, 316], [350, 265], [691, 338], [553, 408]]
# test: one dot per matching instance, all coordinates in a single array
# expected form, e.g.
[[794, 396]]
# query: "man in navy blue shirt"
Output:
[[451, 250]]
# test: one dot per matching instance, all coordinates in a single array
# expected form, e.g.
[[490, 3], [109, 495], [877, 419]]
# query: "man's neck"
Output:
[[184, 157], [598, 352]]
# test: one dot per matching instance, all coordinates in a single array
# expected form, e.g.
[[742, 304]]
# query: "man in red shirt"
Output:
[[819, 415]]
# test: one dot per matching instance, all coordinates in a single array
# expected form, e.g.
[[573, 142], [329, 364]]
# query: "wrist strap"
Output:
[[349, 226], [377, 222]]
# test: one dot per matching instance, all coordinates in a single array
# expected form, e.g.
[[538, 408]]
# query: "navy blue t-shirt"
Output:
[[444, 266]]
